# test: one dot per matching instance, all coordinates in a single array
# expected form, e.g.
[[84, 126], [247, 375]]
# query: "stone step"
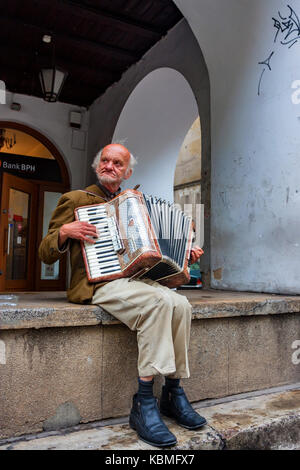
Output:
[[260, 421]]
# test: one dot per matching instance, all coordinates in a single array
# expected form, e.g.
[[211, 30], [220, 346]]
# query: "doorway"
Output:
[[32, 179], [18, 219]]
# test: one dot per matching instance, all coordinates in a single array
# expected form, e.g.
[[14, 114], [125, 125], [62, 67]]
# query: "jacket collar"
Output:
[[107, 193], [101, 191]]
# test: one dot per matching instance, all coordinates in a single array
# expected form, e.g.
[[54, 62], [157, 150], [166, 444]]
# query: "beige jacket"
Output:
[[80, 290]]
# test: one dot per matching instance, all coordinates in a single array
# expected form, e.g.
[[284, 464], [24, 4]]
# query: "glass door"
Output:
[[49, 277], [18, 233]]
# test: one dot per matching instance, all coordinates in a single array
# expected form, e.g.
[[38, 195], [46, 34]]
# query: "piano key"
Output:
[[95, 219], [108, 257], [89, 219], [104, 263], [106, 271], [95, 254], [107, 245], [101, 268], [111, 270], [94, 208], [100, 248], [86, 218], [97, 259], [92, 213], [100, 242], [101, 264]]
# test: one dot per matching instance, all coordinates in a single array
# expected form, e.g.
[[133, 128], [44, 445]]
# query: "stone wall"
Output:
[[61, 364]]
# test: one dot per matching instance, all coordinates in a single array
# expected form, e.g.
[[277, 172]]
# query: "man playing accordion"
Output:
[[160, 316]]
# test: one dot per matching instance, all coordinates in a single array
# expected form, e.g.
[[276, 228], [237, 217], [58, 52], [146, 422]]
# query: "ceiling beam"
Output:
[[22, 83], [109, 19], [166, 3], [77, 41], [24, 59], [18, 72]]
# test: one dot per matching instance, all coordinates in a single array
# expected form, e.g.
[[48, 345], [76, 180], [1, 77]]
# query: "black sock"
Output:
[[172, 383], [145, 388]]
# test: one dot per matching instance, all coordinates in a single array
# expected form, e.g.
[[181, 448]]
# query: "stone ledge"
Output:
[[244, 344], [51, 309]]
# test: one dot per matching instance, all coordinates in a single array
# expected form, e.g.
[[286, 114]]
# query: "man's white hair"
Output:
[[132, 161]]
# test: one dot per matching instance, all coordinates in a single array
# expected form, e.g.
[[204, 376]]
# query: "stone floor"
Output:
[[258, 421]]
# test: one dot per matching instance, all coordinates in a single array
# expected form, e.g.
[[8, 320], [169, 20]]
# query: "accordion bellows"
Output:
[[139, 236]]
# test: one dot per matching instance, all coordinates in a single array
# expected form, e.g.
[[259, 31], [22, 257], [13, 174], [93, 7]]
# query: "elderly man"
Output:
[[160, 316]]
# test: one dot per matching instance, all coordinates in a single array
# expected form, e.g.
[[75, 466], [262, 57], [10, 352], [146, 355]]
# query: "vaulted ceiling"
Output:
[[95, 41]]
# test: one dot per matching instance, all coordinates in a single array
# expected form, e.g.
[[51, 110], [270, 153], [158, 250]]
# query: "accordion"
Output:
[[139, 236]]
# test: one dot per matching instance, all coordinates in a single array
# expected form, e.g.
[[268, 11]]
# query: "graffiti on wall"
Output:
[[287, 34]]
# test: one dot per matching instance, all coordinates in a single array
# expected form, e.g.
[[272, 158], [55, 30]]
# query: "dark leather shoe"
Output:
[[175, 404], [145, 419]]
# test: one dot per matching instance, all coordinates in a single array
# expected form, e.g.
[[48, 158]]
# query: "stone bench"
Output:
[[62, 363]]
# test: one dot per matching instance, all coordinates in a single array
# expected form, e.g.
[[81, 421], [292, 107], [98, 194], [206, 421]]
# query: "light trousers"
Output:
[[161, 317]]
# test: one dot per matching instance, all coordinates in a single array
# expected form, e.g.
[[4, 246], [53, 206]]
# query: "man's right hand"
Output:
[[78, 230]]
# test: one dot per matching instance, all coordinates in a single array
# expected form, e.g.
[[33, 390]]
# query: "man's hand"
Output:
[[78, 230], [196, 252]]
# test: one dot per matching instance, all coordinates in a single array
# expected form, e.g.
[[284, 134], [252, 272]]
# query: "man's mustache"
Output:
[[106, 172]]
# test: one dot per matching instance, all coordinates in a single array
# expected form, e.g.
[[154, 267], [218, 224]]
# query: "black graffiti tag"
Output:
[[288, 27], [288, 30]]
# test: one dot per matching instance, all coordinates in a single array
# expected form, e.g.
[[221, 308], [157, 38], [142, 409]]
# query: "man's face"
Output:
[[113, 166]]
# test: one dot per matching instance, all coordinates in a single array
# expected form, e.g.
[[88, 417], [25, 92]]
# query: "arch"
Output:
[[46, 142], [153, 124]]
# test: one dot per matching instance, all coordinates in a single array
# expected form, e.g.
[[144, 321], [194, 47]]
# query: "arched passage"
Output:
[[153, 124]]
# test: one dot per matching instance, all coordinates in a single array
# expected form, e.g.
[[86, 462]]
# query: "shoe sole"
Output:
[[152, 443], [191, 428]]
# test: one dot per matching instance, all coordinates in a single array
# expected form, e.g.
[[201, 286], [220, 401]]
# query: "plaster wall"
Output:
[[52, 120], [255, 136]]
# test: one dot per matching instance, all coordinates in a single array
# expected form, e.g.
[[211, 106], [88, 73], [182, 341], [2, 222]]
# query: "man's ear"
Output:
[[128, 174]]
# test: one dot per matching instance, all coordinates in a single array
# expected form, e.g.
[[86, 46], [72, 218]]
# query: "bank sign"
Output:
[[30, 167]]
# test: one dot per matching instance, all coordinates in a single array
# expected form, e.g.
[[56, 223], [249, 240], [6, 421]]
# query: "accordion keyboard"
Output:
[[102, 255]]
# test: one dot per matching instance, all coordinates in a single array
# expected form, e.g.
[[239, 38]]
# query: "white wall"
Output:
[[155, 121], [52, 120], [255, 143]]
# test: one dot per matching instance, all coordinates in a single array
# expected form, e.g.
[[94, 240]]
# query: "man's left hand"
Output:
[[196, 252]]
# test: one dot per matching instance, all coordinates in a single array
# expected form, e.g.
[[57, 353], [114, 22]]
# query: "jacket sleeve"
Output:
[[49, 251]]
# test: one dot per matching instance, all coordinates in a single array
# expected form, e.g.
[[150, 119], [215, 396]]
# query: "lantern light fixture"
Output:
[[52, 81], [52, 78]]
